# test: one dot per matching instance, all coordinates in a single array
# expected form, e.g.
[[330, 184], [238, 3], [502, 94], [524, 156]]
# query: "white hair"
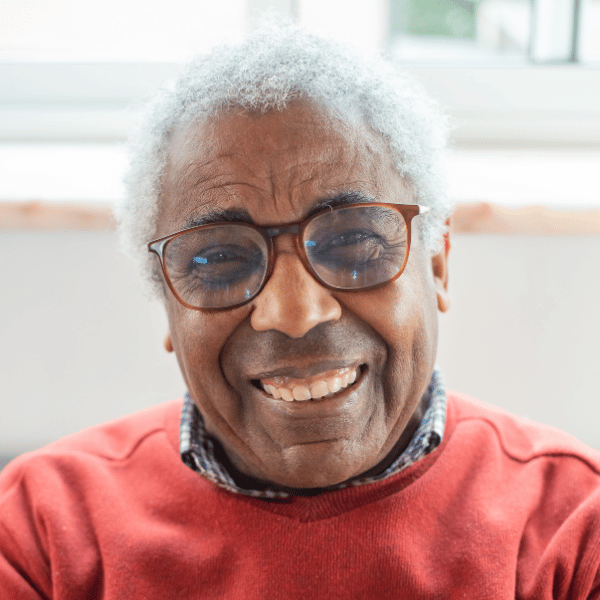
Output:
[[274, 66]]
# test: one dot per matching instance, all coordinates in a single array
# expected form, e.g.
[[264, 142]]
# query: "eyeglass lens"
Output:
[[350, 248], [356, 247]]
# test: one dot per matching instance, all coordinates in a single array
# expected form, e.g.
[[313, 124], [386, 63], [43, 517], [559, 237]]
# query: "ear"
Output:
[[439, 265], [168, 344]]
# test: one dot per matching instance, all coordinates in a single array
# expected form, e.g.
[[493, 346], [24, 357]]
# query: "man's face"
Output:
[[274, 168]]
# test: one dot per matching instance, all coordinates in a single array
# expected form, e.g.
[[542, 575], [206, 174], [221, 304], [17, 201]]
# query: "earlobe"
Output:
[[168, 344], [443, 302], [439, 263]]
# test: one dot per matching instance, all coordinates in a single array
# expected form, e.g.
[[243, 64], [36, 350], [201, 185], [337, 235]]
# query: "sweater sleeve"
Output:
[[595, 593], [24, 568]]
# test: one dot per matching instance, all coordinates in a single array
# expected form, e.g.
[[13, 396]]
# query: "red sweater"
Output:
[[502, 509]]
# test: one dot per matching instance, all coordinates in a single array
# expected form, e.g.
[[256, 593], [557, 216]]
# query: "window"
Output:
[[72, 70], [497, 31], [514, 74]]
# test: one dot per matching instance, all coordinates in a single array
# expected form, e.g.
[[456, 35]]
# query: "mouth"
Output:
[[317, 388]]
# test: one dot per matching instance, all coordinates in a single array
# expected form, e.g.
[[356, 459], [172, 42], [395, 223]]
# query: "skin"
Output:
[[275, 166]]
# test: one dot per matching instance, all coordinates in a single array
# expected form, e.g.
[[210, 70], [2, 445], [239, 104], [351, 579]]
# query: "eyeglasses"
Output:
[[225, 265]]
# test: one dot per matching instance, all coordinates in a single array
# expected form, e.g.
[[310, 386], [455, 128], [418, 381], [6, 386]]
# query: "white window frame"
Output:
[[533, 104]]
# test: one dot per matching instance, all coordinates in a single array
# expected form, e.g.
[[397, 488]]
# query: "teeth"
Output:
[[286, 394], [301, 393], [335, 385], [319, 389], [270, 389]]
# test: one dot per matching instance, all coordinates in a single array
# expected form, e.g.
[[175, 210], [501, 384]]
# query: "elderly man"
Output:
[[291, 199]]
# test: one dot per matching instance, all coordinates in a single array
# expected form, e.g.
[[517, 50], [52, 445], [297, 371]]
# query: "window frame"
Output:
[[489, 105]]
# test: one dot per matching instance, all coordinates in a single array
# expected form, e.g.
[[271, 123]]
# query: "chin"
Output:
[[317, 465]]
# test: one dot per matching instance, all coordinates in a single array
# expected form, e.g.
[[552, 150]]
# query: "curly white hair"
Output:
[[272, 67]]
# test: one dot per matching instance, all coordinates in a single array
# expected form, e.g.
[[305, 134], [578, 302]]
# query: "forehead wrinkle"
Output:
[[285, 183], [222, 171], [221, 188], [204, 155], [196, 174]]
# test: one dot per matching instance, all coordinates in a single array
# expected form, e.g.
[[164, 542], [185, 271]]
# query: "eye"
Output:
[[349, 247], [353, 238], [231, 262], [218, 256]]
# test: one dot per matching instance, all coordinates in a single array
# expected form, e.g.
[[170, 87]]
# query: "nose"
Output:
[[292, 301]]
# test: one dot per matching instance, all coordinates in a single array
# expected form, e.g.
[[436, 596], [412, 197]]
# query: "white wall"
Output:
[[524, 329], [80, 344]]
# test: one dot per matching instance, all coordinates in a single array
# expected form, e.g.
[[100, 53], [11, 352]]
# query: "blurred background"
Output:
[[521, 80]]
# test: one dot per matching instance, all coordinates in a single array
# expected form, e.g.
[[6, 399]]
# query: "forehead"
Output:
[[274, 167]]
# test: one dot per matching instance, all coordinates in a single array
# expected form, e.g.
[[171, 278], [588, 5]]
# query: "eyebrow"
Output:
[[243, 216], [219, 216], [340, 199]]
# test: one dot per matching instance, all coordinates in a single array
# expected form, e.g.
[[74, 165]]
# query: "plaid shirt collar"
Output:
[[198, 447]]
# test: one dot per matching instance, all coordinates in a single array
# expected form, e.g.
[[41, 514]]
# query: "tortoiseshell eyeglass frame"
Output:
[[297, 229]]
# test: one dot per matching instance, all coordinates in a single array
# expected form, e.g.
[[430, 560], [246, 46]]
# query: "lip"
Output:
[[308, 371], [321, 407]]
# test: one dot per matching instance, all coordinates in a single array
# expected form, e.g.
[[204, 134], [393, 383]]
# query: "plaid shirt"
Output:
[[198, 449]]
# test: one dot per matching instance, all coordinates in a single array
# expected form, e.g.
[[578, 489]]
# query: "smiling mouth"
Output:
[[320, 387]]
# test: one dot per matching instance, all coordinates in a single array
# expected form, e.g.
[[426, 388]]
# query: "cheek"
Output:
[[412, 343], [198, 339], [400, 312], [404, 314], [413, 317]]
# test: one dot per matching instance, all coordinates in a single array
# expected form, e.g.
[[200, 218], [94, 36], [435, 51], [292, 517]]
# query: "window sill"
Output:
[[36, 215], [468, 218], [510, 191]]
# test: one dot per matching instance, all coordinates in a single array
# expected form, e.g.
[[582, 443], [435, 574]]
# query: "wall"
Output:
[[524, 328], [80, 344]]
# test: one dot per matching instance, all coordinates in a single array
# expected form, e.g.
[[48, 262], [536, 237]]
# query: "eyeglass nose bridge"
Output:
[[291, 228], [272, 232]]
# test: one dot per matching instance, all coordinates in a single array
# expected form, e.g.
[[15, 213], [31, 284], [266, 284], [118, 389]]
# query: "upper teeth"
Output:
[[315, 389]]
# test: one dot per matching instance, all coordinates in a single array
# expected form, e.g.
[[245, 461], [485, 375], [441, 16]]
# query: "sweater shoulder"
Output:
[[520, 438], [113, 440]]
